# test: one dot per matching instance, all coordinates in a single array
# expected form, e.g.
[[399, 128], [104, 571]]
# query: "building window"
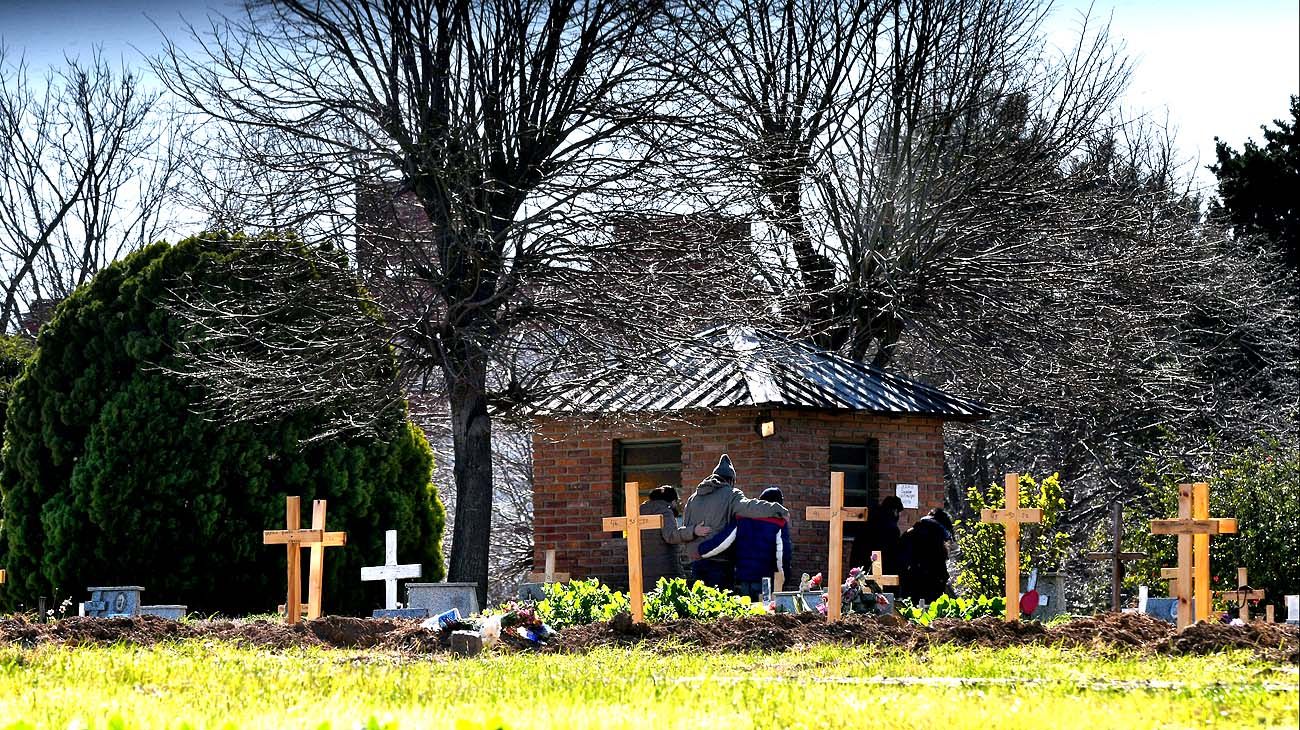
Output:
[[859, 462], [649, 464]]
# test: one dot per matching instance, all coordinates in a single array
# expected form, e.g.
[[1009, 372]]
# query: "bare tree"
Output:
[[886, 143], [948, 193], [503, 133], [87, 165]]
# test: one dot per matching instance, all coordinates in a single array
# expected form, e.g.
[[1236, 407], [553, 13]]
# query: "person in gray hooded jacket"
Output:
[[714, 505]]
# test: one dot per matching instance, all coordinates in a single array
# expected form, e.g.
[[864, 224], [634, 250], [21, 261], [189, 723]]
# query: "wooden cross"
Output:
[[390, 572], [877, 571], [1268, 614], [1243, 595], [1193, 521], [633, 523], [295, 539], [1115, 555], [1011, 517], [836, 514], [549, 576], [1171, 575]]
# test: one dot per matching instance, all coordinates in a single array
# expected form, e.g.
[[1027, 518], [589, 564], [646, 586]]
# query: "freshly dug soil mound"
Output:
[[1276, 642]]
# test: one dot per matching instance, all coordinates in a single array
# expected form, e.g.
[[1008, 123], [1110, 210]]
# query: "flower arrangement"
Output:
[[860, 594]]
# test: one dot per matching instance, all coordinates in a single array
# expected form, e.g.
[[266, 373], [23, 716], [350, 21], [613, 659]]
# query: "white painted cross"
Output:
[[390, 572]]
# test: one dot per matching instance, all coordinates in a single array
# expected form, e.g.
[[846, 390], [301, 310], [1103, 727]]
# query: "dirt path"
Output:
[[1275, 642]]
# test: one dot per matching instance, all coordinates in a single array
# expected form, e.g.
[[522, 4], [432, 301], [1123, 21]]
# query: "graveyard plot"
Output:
[[220, 684], [772, 632]]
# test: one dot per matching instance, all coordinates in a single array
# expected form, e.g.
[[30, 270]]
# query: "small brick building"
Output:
[[728, 388]]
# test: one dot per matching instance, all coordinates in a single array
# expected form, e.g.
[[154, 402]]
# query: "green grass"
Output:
[[214, 685]]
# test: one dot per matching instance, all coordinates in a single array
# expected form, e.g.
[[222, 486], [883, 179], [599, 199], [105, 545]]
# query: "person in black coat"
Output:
[[925, 557], [879, 533]]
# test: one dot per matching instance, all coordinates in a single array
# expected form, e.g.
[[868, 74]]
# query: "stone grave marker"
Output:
[[1193, 526], [106, 601], [169, 611], [1011, 517], [1293, 610], [1115, 555], [436, 598], [295, 539], [836, 514], [390, 572]]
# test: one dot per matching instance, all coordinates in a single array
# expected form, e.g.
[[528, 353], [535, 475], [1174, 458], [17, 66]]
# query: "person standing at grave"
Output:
[[761, 547], [660, 550], [716, 502], [924, 556], [879, 533]]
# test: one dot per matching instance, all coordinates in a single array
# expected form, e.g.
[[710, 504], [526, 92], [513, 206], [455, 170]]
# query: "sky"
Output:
[[1207, 67]]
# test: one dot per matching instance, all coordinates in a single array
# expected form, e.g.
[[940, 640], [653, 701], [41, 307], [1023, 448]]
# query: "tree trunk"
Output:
[[471, 437]]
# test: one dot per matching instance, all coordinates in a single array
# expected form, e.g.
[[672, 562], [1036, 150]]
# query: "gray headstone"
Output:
[[785, 601], [108, 601], [173, 612], [466, 643], [400, 613], [531, 591], [439, 597], [889, 608], [1050, 586]]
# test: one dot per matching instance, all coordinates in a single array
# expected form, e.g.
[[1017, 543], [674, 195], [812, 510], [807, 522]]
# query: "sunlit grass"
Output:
[[215, 685]]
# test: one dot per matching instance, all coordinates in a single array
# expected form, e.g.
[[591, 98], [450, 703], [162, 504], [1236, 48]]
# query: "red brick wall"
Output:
[[573, 474]]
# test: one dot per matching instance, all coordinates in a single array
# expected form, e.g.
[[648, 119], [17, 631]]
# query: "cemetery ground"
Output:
[[760, 671]]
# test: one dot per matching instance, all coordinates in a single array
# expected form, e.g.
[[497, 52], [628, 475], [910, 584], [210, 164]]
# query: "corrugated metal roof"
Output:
[[733, 367]]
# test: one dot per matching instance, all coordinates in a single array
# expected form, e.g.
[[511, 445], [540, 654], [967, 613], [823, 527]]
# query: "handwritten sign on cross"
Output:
[[295, 539], [1011, 518], [1193, 521], [836, 514], [633, 523], [1242, 595], [1115, 555], [390, 572]]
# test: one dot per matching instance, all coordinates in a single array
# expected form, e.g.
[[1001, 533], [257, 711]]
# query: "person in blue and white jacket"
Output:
[[759, 546]]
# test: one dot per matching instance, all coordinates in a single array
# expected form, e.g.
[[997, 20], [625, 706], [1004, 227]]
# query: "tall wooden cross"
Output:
[[1193, 521], [1242, 595], [390, 572], [549, 575], [633, 523], [295, 539], [1011, 517], [877, 571], [1115, 555], [836, 514]]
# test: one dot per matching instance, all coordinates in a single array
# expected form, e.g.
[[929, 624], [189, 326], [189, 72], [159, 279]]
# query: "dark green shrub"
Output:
[[15, 352], [113, 475]]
